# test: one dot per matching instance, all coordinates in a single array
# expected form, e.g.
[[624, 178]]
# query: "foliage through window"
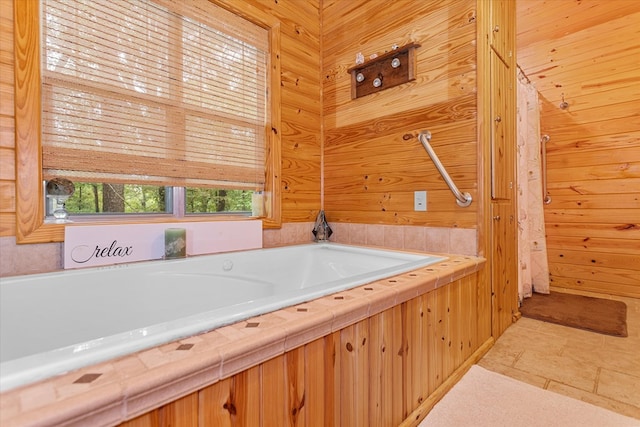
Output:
[[92, 198], [142, 97]]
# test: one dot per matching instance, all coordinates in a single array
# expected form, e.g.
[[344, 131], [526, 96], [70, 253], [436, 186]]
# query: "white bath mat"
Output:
[[483, 398]]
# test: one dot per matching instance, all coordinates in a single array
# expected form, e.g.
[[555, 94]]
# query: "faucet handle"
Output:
[[321, 230]]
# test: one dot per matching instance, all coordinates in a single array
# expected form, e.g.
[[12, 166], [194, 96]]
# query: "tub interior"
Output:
[[51, 323]]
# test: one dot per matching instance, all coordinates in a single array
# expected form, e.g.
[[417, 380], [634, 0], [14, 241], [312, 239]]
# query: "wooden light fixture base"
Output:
[[388, 70]]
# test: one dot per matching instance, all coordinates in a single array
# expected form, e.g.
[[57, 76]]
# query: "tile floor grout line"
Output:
[[595, 385], [515, 359]]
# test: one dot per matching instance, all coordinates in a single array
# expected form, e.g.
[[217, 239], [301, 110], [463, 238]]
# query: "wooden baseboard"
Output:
[[595, 294], [425, 407]]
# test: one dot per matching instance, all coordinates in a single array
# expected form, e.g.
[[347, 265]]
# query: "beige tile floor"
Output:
[[599, 369]]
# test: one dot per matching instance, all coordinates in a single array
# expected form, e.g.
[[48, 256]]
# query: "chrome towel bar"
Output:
[[462, 199]]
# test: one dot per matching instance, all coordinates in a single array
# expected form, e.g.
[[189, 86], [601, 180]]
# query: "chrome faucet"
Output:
[[321, 229]]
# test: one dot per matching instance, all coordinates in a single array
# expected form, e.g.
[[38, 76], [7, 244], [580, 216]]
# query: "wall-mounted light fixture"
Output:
[[390, 69]]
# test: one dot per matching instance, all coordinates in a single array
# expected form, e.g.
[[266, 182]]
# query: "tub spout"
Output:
[[321, 229]]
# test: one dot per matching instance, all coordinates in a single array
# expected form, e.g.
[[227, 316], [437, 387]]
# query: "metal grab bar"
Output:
[[543, 149], [462, 199]]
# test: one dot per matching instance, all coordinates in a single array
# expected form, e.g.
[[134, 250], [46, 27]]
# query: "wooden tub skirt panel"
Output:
[[384, 370]]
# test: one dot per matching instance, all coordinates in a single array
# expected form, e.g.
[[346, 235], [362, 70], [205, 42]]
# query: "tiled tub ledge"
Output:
[[121, 389]]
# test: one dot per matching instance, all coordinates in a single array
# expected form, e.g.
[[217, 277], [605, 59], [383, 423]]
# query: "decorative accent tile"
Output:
[[252, 324], [185, 346], [87, 378], [304, 327]]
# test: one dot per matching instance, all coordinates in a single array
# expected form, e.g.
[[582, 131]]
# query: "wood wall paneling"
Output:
[[300, 101], [7, 128], [588, 53], [373, 159], [504, 266], [315, 401], [497, 131], [502, 129]]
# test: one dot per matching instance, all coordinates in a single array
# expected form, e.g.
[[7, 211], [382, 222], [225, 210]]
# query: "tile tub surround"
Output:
[[47, 257], [408, 237], [121, 389]]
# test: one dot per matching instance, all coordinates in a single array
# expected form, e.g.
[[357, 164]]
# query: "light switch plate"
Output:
[[419, 200]]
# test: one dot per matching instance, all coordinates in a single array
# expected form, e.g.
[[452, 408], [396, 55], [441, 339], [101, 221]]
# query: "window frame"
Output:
[[30, 201]]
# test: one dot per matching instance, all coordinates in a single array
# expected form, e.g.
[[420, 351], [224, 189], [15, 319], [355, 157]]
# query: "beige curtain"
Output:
[[170, 93], [532, 249]]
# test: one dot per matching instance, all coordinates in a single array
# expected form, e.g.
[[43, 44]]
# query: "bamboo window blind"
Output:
[[163, 92]]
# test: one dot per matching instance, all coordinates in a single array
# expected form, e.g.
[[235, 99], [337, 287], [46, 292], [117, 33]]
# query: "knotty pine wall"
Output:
[[7, 135], [588, 50], [373, 161]]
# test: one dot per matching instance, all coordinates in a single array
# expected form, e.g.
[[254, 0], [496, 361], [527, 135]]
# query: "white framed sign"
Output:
[[97, 245]]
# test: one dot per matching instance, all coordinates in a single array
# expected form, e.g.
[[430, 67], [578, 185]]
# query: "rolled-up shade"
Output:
[[164, 92]]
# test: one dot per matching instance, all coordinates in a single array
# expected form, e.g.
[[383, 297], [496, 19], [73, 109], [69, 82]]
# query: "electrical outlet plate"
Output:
[[420, 201]]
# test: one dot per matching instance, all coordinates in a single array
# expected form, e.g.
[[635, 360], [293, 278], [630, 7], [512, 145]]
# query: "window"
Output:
[[147, 97], [153, 97]]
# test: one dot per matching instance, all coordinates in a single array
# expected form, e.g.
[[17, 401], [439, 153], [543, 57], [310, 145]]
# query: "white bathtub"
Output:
[[54, 323]]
